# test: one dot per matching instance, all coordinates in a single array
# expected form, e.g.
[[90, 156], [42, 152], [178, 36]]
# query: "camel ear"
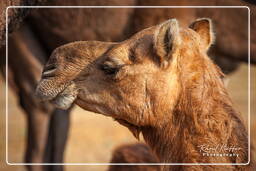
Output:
[[167, 39], [203, 27]]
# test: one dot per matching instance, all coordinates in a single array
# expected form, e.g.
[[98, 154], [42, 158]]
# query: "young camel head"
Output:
[[137, 81]]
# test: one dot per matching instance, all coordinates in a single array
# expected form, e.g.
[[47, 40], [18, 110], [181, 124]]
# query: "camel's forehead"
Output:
[[141, 38], [185, 33], [142, 41], [147, 36], [188, 34]]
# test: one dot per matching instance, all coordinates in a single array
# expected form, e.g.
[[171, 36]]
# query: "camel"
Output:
[[132, 20], [161, 83]]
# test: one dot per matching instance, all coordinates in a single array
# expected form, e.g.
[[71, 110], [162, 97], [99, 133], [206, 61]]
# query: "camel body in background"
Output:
[[161, 83], [38, 46]]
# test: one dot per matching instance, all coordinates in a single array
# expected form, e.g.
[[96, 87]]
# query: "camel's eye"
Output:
[[109, 69]]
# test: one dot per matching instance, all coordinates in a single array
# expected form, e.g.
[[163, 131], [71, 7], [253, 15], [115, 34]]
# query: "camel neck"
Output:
[[202, 119]]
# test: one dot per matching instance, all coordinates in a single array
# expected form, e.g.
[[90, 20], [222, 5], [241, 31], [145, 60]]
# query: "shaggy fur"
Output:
[[159, 82], [128, 20]]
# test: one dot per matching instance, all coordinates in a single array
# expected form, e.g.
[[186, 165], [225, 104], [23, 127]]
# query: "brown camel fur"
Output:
[[129, 21], [159, 82], [133, 153]]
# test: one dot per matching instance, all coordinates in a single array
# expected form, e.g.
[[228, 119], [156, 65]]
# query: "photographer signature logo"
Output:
[[219, 150]]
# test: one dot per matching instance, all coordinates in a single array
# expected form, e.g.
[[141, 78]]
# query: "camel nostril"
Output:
[[49, 67], [49, 70], [49, 73]]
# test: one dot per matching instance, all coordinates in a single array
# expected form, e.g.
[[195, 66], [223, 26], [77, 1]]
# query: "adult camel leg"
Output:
[[37, 122], [58, 132], [24, 53], [25, 60]]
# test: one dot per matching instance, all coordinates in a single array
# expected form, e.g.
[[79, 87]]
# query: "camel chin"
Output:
[[66, 98], [63, 101]]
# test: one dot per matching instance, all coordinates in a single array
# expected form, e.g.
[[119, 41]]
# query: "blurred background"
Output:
[[40, 133]]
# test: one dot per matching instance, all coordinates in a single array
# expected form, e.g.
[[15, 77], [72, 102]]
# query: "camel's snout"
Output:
[[47, 89], [61, 96]]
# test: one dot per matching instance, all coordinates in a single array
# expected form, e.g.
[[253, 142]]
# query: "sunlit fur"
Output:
[[166, 87]]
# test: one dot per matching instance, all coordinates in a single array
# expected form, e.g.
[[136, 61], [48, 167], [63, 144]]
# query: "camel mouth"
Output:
[[47, 89], [63, 100], [66, 98], [62, 96]]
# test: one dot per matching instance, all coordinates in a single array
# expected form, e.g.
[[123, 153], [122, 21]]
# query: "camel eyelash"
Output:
[[110, 70]]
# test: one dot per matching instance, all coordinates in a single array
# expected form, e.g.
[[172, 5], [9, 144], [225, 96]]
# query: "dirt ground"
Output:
[[93, 137]]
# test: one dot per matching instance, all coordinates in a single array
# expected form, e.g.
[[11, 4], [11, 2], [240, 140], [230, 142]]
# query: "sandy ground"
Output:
[[93, 137]]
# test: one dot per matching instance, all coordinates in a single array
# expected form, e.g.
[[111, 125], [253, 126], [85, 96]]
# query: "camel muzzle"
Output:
[[61, 95]]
